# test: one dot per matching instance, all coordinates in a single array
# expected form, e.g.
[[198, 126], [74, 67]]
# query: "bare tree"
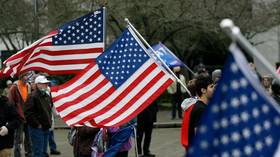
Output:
[[190, 28]]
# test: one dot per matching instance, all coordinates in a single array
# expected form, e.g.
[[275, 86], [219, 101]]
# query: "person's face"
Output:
[[266, 82], [10, 85], [24, 78], [176, 69], [209, 91]]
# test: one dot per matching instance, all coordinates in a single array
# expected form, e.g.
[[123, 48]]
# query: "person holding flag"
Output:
[[204, 87]]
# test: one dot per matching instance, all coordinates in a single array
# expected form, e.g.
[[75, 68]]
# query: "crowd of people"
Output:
[[27, 118]]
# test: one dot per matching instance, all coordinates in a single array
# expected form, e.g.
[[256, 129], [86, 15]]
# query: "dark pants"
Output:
[[39, 138], [19, 141], [83, 155], [176, 106], [122, 154], [52, 143], [144, 129]]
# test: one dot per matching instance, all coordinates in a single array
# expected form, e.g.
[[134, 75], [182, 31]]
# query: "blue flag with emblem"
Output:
[[166, 55], [241, 119]]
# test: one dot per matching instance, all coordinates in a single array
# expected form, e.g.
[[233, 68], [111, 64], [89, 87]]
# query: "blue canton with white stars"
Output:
[[84, 30], [240, 119], [122, 59]]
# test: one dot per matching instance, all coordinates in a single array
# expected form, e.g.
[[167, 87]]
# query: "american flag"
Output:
[[66, 50], [121, 83], [241, 119]]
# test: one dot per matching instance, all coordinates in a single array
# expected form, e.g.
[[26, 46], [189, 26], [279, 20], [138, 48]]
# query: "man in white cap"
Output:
[[6, 90], [38, 115]]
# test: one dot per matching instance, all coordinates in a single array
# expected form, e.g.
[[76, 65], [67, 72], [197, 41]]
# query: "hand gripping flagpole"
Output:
[[163, 63], [235, 34]]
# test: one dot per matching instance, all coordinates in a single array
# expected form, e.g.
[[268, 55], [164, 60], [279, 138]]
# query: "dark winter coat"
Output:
[[84, 138], [38, 110], [149, 115], [10, 118]]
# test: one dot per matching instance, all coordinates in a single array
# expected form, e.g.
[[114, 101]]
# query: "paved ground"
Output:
[[165, 143]]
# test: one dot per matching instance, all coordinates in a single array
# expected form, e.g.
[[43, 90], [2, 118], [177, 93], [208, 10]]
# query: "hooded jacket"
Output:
[[187, 106]]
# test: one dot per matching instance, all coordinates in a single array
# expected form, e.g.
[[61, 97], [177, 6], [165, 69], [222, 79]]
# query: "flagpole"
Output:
[[147, 44], [235, 34], [104, 28], [135, 141]]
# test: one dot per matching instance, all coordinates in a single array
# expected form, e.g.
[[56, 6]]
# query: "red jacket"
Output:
[[187, 106]]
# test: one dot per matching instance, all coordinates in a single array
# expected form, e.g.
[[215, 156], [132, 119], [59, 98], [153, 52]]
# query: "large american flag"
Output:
[[66, 50], [121, 83], [241, 119]]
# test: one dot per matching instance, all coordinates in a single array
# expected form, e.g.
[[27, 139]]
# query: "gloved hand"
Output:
[[3, 131]]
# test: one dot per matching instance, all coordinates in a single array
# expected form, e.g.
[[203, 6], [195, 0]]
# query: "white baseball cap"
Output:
[[9, 82], [41, 79]]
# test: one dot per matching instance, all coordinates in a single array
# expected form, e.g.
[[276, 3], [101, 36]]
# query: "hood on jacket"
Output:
[[188, 103]]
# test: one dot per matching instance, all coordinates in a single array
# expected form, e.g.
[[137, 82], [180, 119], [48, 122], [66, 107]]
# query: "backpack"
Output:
[[72, 134]]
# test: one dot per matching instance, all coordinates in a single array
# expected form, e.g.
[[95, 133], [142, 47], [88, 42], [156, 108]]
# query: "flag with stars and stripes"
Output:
[[121, 83], [66, 50], [241, 119]]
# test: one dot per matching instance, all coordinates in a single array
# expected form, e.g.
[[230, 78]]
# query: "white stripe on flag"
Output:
[[13, 62], [64, 57], [55, 67], [14, 71], [69, 47]]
